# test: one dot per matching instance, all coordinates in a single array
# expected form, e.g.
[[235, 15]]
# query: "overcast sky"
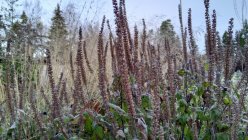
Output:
[[155, 11]]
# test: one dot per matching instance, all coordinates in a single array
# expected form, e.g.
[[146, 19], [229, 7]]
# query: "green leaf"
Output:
[[188, 133], [207, 135], [182, 103], [146, 104], [241, 40], [227, 100], [200, 91], [1, 130], [74, 138], [179, 96], [132, 79], [98, 132], [215, 113], [206, 66], [200, 115], [88, 124], [221, 127], [181, 72], [206, 84], [182, 119], [66, 119], [222, 136], [181, 109]]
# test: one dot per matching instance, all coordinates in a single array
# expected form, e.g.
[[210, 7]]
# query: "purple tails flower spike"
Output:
[[80, 61], [228, 57], [171, 79], [112, 49], [102, 67], [122, 65], [55, 102], [183, 34], [192, 41], [126, 44], [86, 58]]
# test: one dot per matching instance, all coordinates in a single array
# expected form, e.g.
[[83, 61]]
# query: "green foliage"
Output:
[[181, 72], [203, 109], [166, 27], [167, 30], [58, 30]]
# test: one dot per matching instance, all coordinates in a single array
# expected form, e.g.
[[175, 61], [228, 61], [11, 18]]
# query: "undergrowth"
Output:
[[152, 94]]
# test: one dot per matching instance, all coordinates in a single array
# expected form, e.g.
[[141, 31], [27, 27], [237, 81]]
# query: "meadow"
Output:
[[120, 82]]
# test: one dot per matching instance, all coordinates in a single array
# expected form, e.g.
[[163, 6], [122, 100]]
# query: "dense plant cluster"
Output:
[[153, 90]]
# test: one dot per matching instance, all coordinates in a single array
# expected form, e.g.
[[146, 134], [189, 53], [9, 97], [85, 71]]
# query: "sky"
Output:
[[154, 12]]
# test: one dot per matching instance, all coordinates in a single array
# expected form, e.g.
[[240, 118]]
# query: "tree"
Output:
[[7, 18], [1, 47], [167, 30], [58, 34], [241, 46], [242, 35]]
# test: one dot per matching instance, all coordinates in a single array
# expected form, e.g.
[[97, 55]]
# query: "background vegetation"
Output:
[[118, 82]]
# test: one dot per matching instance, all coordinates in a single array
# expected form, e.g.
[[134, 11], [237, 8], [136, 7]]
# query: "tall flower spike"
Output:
[[55, 102], [214, 41], [45, 97], [64, 92], [131, 47], [143, 54], [149, 53], [126, 44], [192, 41], [60, 80], [8, 82], [80, 61], [78, 94], [212, 49], [183, 34], [208, 26], [86, 58], [185, 50], [106, 51], [72, 66], [209, 45], [79, 80], [136, 47], [218, 60], [61, 94], [228, 56], [177, 79], [122, 65], [137, 66], [21, 92], [155, 91], [101, 69], [34, 108], [171, 78], [112, 50], [127, 27], [143, 43], [105, 61], [167, 111]]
